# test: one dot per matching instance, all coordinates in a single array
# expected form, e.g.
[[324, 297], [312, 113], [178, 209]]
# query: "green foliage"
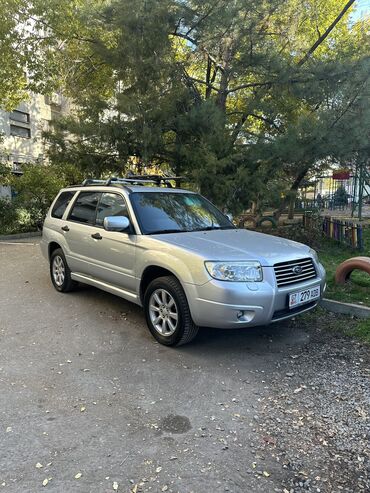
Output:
[[340, 196], [8, 216], [33, 193], [35, 190], [223, 92]]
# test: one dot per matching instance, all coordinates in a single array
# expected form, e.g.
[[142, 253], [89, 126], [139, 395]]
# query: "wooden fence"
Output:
[[346, 232]]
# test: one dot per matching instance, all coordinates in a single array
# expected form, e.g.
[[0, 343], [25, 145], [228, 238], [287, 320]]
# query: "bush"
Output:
[[35, 190], [33, 193], [8, 216]]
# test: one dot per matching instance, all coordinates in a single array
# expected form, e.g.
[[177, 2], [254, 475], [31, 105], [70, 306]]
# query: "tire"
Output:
[[60, 273], [165, 302]]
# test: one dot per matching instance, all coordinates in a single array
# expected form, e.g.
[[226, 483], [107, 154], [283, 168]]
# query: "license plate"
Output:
[[304, 296]]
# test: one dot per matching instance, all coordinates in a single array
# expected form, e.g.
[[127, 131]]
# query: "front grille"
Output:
[[285, 275]]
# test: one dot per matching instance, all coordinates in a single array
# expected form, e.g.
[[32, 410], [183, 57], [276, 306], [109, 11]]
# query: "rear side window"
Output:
[[61, 204], [111, 204], [84, 209]]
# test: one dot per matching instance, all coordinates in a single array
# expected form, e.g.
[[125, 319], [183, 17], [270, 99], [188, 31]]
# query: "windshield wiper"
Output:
[[164, 231], [210, 228]]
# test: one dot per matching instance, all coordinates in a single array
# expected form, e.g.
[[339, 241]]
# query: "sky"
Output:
[[361, 8]]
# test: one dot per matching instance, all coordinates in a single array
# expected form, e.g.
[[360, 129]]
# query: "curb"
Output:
[[358, 311], [19, 236]]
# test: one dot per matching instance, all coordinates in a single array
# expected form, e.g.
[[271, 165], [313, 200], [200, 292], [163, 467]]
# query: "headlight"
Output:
[[235, 271], [314, 254]]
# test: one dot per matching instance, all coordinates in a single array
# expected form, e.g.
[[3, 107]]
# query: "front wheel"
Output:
[[167, 312], [60, 273]]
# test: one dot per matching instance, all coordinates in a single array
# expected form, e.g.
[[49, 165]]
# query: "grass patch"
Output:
[[357, 290], [362, 330], [341, 324]]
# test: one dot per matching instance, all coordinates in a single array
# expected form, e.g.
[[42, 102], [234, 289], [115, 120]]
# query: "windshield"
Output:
[[171, 212]]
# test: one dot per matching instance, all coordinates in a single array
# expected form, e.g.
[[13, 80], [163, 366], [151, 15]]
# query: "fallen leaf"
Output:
[[165, 488], [39, 466], [83, 408], [115, 486], [45, 482], [266, 474], [159, 469], [9, 429], [78, 475]]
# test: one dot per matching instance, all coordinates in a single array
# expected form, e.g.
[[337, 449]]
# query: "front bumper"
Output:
[[228, 305]]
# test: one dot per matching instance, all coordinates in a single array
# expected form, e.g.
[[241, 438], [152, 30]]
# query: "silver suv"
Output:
[[174, 253]]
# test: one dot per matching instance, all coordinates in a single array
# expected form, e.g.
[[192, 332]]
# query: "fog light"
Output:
[[245, 315]]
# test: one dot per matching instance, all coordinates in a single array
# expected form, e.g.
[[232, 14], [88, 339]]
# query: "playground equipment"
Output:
[[362, 185], [345, 269], [344, 189], [256, 220], [269, 219]]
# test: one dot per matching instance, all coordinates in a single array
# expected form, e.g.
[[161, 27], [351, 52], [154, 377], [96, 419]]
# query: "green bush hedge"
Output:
[[33, 193]]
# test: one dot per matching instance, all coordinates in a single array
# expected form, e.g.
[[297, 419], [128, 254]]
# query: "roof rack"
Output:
[[135, 179], [158, 179]]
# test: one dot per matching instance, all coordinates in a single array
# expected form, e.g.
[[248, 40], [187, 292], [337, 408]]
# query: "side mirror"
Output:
[[116, 223]]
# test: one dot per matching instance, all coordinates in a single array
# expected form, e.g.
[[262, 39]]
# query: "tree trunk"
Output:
[[293, 190], [291, 205]]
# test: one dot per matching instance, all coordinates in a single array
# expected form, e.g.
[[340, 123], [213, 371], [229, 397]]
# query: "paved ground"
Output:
[[85, 390]]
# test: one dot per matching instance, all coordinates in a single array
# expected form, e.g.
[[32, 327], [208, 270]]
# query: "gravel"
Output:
[[315, 423]]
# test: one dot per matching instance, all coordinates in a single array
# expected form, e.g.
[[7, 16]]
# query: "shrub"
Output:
[[35, 190], [8, 216]]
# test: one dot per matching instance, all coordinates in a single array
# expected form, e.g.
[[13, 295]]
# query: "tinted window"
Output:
[[84, 209], [61, 204], [161, 212], [111, 204]]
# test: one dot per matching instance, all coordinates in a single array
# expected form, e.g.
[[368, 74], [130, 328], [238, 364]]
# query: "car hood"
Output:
[[237, 244]]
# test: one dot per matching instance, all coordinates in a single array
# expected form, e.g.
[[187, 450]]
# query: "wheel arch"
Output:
[[150, 273], [53, 245]]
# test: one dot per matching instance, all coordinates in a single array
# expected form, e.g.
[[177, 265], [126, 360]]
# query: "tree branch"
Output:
[[326, 33]]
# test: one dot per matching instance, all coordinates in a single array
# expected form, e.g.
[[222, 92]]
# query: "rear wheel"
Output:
[[60, 273], [167, 312]]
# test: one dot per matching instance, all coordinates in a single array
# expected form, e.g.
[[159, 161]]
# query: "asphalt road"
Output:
[[89, 402]]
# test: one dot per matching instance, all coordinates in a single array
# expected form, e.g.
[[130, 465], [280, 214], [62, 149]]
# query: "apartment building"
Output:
[[21, 131]]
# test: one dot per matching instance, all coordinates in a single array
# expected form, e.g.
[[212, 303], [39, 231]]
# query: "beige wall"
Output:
[[20, 149], [42, 110]]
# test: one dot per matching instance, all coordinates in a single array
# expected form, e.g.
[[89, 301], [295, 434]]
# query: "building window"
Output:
[[20, 131], [20, 116]]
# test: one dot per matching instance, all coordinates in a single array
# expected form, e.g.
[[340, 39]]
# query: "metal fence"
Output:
[[346, 232]]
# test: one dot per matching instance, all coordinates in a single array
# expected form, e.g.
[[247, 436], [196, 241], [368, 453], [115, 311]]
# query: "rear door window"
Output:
[[61, 204], [84, 209]]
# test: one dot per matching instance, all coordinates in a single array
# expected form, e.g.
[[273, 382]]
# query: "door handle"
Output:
[[65, 228], [97, 236]]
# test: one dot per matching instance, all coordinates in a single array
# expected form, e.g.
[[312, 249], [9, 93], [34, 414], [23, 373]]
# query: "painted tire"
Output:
[[345, 269]]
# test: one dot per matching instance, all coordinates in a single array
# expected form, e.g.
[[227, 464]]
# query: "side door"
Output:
[[113, 252], [77, 230]]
